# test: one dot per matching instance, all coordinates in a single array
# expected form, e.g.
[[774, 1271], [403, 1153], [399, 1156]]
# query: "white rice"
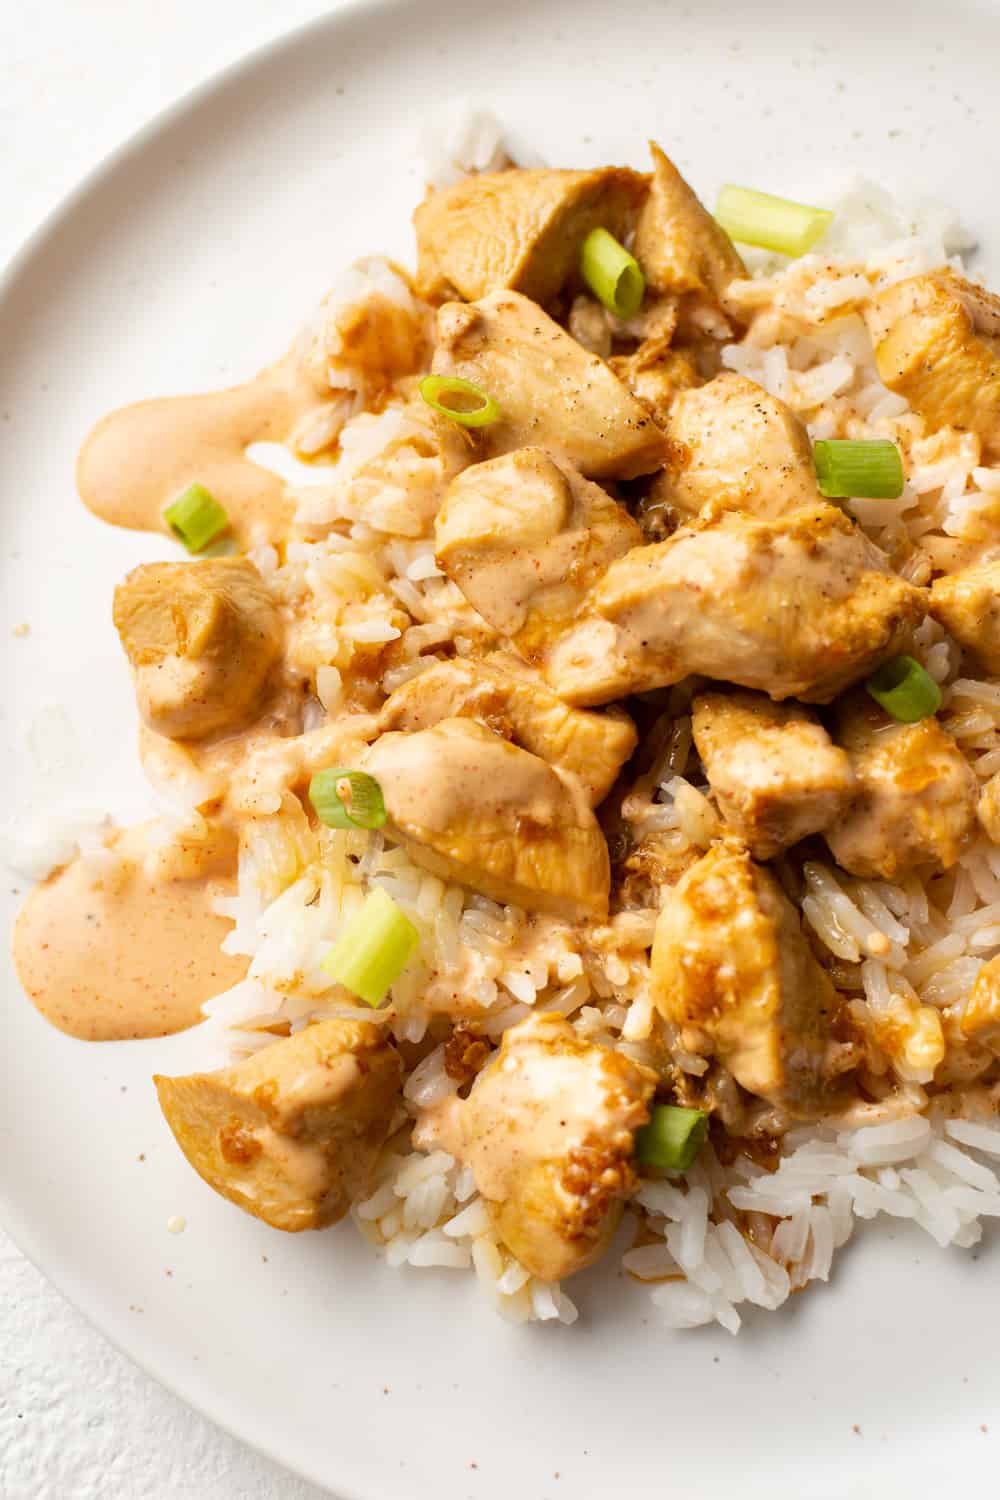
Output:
[[905, 953]]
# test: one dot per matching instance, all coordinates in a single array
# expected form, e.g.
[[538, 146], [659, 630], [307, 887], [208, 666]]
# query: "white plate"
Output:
[[188, 261]]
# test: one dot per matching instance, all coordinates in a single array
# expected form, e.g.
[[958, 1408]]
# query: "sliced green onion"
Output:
[[347, 799], [373, 949], [612, 274], [673, 1137], [773, 223], [870, 470], [196, 517], [905, 690], [479, 408]]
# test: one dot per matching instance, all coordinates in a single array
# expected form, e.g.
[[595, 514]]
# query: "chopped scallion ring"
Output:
[[613, 275], [864, 470], [373, 949], [196, 517], [905, 690], [673, 1137], [477, 408], [773, 223], [347, 799]]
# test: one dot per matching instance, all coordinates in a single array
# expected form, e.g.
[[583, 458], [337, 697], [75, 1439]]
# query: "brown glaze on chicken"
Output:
[[915, 801], [772, 768], [799, 607]]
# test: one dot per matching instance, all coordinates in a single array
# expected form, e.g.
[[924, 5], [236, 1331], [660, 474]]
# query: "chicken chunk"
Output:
[[734, 447], [732, 969], [550, 390], [678, 244], [937, 342], [549, 1133], [472, 808], [915, 807], [981, 1016], [988, 808], [524, 538], [776, 775], [202, 639], [798, 607], [521, 230], [291, 1134], [520, 706], [967, 604]]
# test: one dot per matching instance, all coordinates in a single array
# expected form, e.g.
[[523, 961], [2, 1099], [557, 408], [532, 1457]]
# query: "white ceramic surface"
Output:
[[161, 276]]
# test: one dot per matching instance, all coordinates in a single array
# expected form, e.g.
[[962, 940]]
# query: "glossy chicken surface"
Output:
[[915, 803], [967, 604], [680, 246], [732, 970], [202, 639], [737, 448], [518, 705], [937, 342], [549, 1130], [799, 607], [552, 393], [291, 1134], [471, 807], [773, 769], [524, 538], [517, 231]]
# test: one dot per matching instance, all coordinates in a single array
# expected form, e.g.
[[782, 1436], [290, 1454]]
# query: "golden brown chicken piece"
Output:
[[967, 604], [519, 229], [776, 775], [915, 806], [734, 447], [472, 808], [937, 342], [988, 808], [548, 1131], [678, 244], [292, 1133], [202, 638], [981, 1017], [798, 607], [524, 538], [516, 703], [733, 971], [550, 390]]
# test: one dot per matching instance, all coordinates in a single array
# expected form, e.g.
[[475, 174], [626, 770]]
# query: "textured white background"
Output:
[[77, 1420]]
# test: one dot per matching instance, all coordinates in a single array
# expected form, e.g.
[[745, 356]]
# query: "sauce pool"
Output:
[[125, 954]]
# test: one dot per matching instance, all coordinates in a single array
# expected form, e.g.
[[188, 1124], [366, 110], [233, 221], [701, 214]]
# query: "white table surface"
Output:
[[78, 1421]]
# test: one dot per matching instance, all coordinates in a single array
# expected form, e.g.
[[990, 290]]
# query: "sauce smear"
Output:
[[138, 459], [133, 954]]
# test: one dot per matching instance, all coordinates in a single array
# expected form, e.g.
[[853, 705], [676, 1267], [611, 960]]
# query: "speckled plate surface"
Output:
[[186, 262]]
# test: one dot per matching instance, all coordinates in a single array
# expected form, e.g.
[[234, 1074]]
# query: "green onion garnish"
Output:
[[673, 1137], [477, 407], [373, 949], [773, 223], [868, 470], [612, 274], [347, 799], [196, 517], [905, 690]]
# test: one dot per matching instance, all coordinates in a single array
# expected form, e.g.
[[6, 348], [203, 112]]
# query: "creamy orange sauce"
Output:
[[129, 953], [138, 459], [546, 1093]]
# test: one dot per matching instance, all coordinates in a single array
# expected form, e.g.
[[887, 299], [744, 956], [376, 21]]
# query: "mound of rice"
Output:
[[726, 1234]]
